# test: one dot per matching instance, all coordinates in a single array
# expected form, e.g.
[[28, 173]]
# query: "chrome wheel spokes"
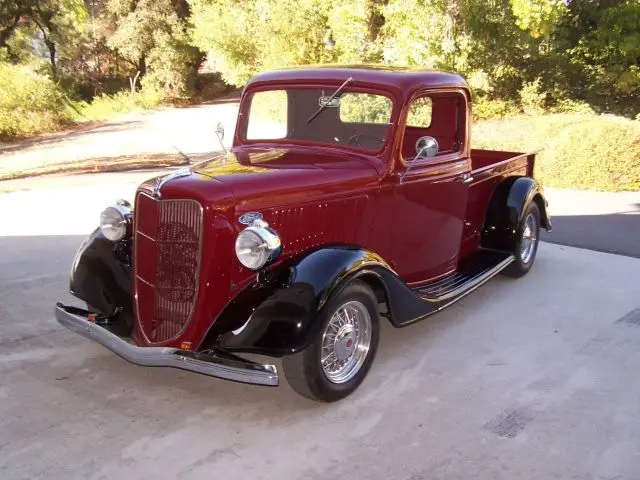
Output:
[[529, 238], [346, 342]]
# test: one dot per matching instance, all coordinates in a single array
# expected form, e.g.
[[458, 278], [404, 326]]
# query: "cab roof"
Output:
[[402, 79]]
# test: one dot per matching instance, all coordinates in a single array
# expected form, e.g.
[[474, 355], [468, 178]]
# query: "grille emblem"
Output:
[[249, 217]]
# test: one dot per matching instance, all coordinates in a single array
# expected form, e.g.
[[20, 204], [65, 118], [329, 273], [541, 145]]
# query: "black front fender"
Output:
[[101, 274], [278, 315], [506, 209]]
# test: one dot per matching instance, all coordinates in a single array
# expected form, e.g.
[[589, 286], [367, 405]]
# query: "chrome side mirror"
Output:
[[426, 147], [219, 131]]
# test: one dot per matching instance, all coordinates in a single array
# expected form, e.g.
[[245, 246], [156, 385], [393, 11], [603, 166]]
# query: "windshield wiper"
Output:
[[333, 95]]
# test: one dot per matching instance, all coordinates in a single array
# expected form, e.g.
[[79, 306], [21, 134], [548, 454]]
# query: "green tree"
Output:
[[152, 36], [11, 12], [539, 17], [57, 21], [598, 47], [245, 38]]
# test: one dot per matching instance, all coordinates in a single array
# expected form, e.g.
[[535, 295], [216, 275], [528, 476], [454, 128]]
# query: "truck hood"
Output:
[[261, 177]]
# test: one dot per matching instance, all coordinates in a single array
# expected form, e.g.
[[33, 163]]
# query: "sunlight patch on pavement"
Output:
[[565, 202], [70, 211]]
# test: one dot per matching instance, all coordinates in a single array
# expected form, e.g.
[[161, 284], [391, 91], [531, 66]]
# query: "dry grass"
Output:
[[586, 152]]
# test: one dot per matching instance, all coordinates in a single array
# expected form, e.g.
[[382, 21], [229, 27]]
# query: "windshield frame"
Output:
[[240, 137]]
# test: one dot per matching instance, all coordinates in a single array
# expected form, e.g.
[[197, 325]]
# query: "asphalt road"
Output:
[[606, 222]]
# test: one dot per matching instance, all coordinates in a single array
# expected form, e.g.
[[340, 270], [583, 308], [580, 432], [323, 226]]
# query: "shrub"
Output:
[[571, 106], [574, 151], [104, 107], [30, 103], [209, 86], [532, 99], [485, 109]]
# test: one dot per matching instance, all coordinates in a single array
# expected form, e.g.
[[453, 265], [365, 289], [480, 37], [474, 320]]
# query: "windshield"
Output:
[[350, 118]]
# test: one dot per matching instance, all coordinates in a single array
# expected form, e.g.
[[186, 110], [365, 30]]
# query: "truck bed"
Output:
[[488, 169], [482, 160]]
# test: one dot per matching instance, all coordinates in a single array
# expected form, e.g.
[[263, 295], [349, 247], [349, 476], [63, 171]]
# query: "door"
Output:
[[430, 197]]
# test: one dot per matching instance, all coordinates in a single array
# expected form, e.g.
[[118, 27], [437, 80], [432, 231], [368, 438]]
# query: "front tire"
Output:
[[526, 244], [338, 360]]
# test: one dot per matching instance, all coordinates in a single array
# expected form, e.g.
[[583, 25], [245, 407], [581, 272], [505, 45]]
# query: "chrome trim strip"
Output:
[[181, 172], [138, 277], [199, 265], [146, 236], [221, 367]]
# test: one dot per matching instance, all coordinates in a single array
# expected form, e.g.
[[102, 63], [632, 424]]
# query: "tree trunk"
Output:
[[52, 55], [142, 66], [376, 18]]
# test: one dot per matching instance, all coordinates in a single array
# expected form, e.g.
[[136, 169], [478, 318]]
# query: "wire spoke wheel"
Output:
[[529, 238], [346, 342], [344, 346]]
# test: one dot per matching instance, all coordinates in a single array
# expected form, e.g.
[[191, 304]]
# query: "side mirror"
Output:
[[426, 147], [220, 134], [220, 131]]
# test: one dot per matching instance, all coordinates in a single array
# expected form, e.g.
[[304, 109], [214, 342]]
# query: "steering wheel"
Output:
[[355, 139]]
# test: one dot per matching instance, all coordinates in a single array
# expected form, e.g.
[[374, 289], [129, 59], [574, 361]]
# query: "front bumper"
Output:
[[224, 365]]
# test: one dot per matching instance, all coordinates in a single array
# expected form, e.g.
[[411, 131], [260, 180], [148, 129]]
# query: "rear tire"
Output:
[[347, 341], [526, 244]]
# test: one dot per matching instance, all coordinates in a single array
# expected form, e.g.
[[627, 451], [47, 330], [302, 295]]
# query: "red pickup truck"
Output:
[[350, 196]]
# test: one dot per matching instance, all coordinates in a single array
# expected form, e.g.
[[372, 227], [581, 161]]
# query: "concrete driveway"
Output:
[[532, 378]]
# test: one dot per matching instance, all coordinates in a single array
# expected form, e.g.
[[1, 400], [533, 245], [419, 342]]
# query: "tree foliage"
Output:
[[151, 35], [519, 54]]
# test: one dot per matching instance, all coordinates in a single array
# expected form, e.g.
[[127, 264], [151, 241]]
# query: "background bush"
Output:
[[30, 102], [574, 150]]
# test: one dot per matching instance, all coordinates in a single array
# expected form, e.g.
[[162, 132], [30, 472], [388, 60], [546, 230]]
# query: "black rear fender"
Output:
[[506, 209]]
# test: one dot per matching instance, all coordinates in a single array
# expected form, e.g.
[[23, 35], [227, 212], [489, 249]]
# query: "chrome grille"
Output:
[[167, 263]]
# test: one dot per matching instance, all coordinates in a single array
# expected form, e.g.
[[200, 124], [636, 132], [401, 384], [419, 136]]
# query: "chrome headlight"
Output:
[[114, 220], [257, 245]]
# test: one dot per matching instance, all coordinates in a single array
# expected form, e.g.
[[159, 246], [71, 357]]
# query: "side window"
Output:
[[447, 126], [365, 108], [268, 115], [420, 113]]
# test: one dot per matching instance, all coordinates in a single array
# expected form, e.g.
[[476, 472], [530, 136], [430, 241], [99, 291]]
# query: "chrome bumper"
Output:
[[227, 367]]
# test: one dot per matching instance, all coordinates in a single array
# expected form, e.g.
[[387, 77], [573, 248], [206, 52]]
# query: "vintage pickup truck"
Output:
[[351, 195]]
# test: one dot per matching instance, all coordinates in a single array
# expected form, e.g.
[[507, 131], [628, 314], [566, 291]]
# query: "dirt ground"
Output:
[[166, 137]]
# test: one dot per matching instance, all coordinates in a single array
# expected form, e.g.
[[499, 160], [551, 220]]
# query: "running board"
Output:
[[408, 305], [472, 273]]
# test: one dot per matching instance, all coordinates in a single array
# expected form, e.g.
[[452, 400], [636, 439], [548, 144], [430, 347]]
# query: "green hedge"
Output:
[[576, 151], [30, 103]]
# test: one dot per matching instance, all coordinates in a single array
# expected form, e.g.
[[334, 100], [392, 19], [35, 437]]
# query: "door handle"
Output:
[[467, 179]]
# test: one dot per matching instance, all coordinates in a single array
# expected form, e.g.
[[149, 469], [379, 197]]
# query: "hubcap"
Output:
[[346, 342], [529, 238]]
